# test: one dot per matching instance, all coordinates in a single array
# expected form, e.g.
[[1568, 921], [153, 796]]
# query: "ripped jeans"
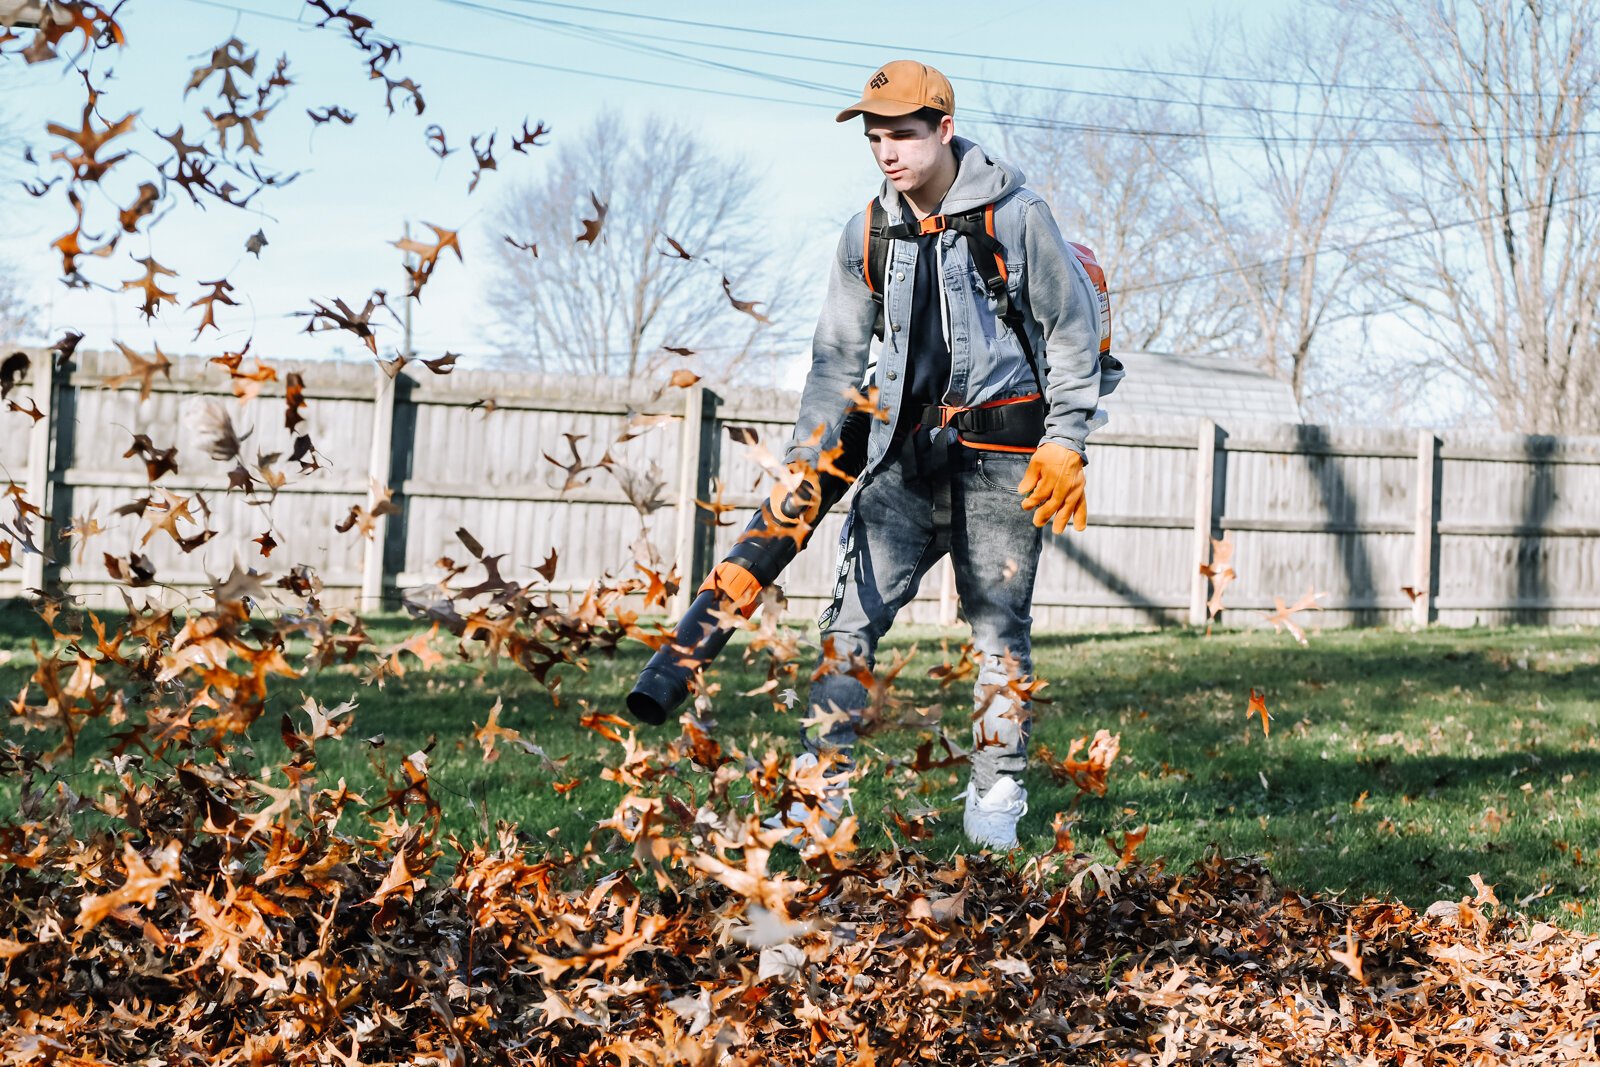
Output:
[[899, 526]]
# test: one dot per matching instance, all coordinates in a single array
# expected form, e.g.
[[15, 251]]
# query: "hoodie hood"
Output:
[[980, 179]]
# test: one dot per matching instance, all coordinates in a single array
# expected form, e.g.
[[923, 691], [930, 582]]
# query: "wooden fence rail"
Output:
[[1395, 526]]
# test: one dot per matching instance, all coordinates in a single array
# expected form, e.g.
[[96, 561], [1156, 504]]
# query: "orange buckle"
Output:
[[933, 224], [947, 413]]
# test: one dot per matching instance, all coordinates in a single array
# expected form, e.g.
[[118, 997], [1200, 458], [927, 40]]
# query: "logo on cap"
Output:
[[879, 80]]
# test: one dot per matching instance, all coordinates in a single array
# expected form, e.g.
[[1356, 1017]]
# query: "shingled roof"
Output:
[[1225, 390]]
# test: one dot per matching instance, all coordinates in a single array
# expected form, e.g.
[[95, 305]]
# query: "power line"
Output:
[[1054, 63], [996, 117], [529, 63], [974, 79], [1353, 247], [599, 33]]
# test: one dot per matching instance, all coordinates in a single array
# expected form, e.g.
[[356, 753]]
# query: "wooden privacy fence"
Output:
[[1482, 527]]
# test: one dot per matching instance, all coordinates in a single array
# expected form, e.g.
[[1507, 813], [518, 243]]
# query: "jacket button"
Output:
[[897, 327], [899, 275], [892, 374]]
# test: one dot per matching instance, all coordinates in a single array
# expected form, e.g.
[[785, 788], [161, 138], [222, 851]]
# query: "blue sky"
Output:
[[360, 185]]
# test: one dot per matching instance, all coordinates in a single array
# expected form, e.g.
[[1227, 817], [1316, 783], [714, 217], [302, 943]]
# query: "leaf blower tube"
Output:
[[735, 584]]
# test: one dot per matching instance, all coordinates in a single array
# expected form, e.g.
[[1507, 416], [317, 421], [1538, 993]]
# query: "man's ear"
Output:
[[947, 128]]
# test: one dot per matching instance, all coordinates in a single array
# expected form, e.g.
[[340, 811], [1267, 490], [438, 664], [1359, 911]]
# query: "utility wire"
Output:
[[998, 117], [976, 80], [518, 62], [1354, 246], [1058, 64], [1005, 119]]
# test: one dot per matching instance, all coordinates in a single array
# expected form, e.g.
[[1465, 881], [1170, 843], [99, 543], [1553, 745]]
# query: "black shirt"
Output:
[[927, 348]]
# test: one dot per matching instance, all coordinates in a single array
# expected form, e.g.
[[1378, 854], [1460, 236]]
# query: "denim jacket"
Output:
[[1059, 306]]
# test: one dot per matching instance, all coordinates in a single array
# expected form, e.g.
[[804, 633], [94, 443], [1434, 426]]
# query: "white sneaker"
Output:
[[991, 820], [835, 803]]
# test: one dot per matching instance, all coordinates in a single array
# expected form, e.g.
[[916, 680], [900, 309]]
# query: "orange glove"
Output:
[[1053, 485], [805, 495]]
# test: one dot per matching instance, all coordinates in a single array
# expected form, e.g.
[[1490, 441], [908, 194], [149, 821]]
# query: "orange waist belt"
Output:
[[1013, 424]]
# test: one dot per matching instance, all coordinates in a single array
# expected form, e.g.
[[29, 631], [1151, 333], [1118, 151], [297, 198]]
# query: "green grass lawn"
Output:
[[1398, 764]]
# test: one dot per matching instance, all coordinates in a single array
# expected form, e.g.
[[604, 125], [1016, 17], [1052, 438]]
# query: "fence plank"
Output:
[[1427, 530], [40, 441], [378, 461], [1205, 462]]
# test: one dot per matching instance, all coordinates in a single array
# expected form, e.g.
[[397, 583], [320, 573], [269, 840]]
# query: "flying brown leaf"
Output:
[[436, 141], [218, 294], [149, 284], [32, 410], [142, 205], [529, 138], [12, 371], [547, 569], [330, 113], [1283, 616], [427, 254], [491, 732], [443, 364], [1220, 571], [294, 401], [746, 306], [157, 461], [89, 140], [591, 227], [482, 159], [1258, 706], [143, 369], [341, 317]]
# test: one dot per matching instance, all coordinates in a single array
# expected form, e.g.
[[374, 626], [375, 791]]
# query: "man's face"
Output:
[[907, 149]]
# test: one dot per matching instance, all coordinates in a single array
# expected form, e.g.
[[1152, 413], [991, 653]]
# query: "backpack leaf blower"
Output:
[[735, 584]]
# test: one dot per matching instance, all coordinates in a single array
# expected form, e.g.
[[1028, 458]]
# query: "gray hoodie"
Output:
[[1045, 281]]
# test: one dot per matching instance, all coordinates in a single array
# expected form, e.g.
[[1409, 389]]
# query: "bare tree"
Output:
[[610, 306], [1110, 187], [1498, 265], [1272, 186], [17, 318]]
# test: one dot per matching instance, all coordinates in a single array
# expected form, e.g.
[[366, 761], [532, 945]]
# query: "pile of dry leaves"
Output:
[[191, 910]]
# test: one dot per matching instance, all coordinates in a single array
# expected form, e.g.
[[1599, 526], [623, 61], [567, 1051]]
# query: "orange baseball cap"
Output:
[[901, 87]]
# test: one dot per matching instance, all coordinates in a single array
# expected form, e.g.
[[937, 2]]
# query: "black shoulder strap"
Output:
[[875, 256], [989, 258]]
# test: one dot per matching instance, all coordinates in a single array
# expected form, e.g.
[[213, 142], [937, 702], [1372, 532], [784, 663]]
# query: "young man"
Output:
[[984, 443]]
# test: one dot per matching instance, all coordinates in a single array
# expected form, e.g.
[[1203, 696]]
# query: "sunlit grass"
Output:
[[1397, 764]]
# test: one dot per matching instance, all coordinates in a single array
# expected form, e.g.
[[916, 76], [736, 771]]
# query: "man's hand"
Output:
[[797, 495], [1053, 486]]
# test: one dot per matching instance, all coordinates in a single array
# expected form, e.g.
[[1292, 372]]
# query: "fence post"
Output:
[[699, 461], [378, 465], [1426, 529], [40, 440], [1205, 462]]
